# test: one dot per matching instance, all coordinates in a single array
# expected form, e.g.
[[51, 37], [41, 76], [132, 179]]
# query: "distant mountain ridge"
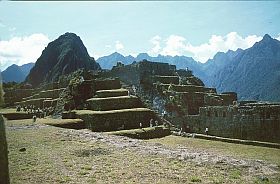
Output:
[[253, 73], [62, 56], [15, 73], [181, 62]]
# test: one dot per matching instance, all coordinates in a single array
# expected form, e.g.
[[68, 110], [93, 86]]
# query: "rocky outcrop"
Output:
[[4, 174], [62, 56]]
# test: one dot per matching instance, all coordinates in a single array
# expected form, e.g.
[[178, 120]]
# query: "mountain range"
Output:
[[16, 73], [253, 73]]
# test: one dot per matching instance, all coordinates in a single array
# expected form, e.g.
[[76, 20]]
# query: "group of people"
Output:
[[153, 123], [37, 112]]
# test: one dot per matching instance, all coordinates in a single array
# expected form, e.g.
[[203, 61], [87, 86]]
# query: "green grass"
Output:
[[52, 156], [271, 155], [7, 110]]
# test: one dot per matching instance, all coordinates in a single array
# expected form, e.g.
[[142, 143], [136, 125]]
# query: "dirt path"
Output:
[[256, 167]]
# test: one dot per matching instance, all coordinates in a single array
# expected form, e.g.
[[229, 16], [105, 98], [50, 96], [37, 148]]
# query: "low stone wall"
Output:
[[68, 123], [111, 93], [17, 115], [107, 84], [114, 103], [4, 169], [238, 141], [144, 133], [188, 88], [50, 103], [36, 102], [112, 120], [50, 93]]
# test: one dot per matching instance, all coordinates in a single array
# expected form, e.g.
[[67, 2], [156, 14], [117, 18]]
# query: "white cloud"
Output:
[[174, 46], [118, 45], [178, 45], [21, 50], [156, 42], [232, 41]]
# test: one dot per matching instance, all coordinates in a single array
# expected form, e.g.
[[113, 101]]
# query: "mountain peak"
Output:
[[68, 35], [62, 56], [267, 37], [116, 53]]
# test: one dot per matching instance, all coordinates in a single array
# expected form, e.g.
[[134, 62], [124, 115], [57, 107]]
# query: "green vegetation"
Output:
[[52, 156], [271, 155]]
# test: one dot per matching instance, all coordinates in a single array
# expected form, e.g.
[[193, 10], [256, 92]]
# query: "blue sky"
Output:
[[197, 29]]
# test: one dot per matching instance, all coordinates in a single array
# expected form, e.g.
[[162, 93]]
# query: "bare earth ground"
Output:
[[56, 155]]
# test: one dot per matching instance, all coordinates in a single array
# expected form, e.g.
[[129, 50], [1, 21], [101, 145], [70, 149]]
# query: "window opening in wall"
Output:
[[216, 113]]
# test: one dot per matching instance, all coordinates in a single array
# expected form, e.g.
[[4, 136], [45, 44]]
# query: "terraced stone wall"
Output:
[[16, 95], [114, 103], [112, 120], [111, 93]]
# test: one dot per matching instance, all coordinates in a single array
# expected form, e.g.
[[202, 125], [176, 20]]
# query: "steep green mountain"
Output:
[[62, 56], [253, 73], [16, 73]]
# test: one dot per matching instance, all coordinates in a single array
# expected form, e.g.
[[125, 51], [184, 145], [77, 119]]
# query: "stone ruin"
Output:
[[244, 120], [111, 107], [130, 95]]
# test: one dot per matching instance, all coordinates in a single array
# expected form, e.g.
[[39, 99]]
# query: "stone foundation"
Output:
[[112, 120]]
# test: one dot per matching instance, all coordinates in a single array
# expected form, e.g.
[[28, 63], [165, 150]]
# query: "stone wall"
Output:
[[113, 103], [106, 84], [15, 95], [112, 120], [4, 169], [111, 93], [261, 123], [166, 79], [38, 102]]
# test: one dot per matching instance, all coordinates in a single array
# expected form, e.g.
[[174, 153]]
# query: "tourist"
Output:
[[151, 122], [34, 118], [140, 124], [206, 130], [134, 89]]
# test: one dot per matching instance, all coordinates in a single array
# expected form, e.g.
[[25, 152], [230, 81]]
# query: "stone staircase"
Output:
[[112, 108]]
